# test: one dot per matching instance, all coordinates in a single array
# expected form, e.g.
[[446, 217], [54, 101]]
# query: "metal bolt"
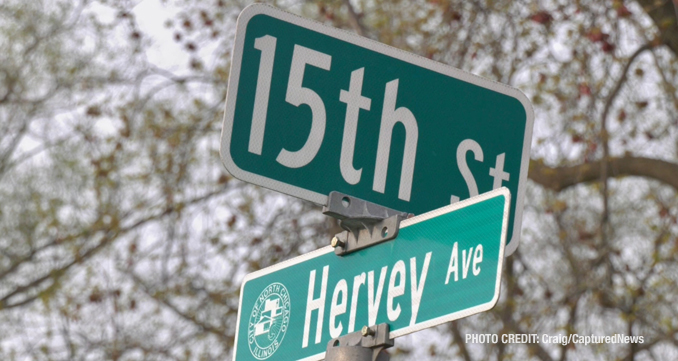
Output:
[[336, 242], [366, 331]]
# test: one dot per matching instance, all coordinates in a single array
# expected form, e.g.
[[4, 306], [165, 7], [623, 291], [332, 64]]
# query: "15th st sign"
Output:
[[312, 109], [444, 265]]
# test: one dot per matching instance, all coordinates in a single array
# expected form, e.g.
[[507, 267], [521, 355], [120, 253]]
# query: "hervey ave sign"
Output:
[[313, 109], [444, 265]]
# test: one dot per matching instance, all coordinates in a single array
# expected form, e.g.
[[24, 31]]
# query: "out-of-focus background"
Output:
[[122, 237]]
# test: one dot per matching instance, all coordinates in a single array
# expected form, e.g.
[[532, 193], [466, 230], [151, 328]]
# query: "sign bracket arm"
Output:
[[365, 223]]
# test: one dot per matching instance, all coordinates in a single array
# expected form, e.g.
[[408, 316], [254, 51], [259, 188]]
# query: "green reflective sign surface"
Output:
[[444, 265], [312, 109]]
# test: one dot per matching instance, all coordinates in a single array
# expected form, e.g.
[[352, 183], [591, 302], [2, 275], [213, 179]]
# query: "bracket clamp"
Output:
[[365, 223], [364, 345]]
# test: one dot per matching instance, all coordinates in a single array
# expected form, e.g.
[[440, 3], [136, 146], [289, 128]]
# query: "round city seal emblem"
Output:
[[268, 321]]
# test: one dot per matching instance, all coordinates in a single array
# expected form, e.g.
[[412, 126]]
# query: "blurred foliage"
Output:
[[123, 238]]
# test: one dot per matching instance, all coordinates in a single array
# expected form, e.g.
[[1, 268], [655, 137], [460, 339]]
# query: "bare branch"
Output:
[[559, 178], [506, 314], [109, 236], [14, 143], [354, 19], [615, 91], [163, 300], [665, 17], [605, 140], [454, 327]]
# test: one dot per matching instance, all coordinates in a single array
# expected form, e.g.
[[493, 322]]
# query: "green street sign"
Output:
[[444, 265], [312, 109]]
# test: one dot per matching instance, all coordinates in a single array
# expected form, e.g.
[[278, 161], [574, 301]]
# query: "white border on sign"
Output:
[[500, 192], [234, 77]]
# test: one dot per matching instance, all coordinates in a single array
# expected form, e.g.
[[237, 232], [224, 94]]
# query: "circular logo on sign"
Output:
[[268, 321]]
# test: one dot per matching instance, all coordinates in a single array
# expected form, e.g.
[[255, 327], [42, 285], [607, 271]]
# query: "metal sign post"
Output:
[[366, 345], [366, 224]]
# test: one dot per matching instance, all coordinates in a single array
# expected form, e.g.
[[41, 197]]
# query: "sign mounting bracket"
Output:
[[364, 345], [365, 223]]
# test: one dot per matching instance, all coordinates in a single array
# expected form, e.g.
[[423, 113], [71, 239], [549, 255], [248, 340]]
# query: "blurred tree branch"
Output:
[[354, 19], [559, 178], [665, 17], [161, 298], [32, 290], [90, 129]]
